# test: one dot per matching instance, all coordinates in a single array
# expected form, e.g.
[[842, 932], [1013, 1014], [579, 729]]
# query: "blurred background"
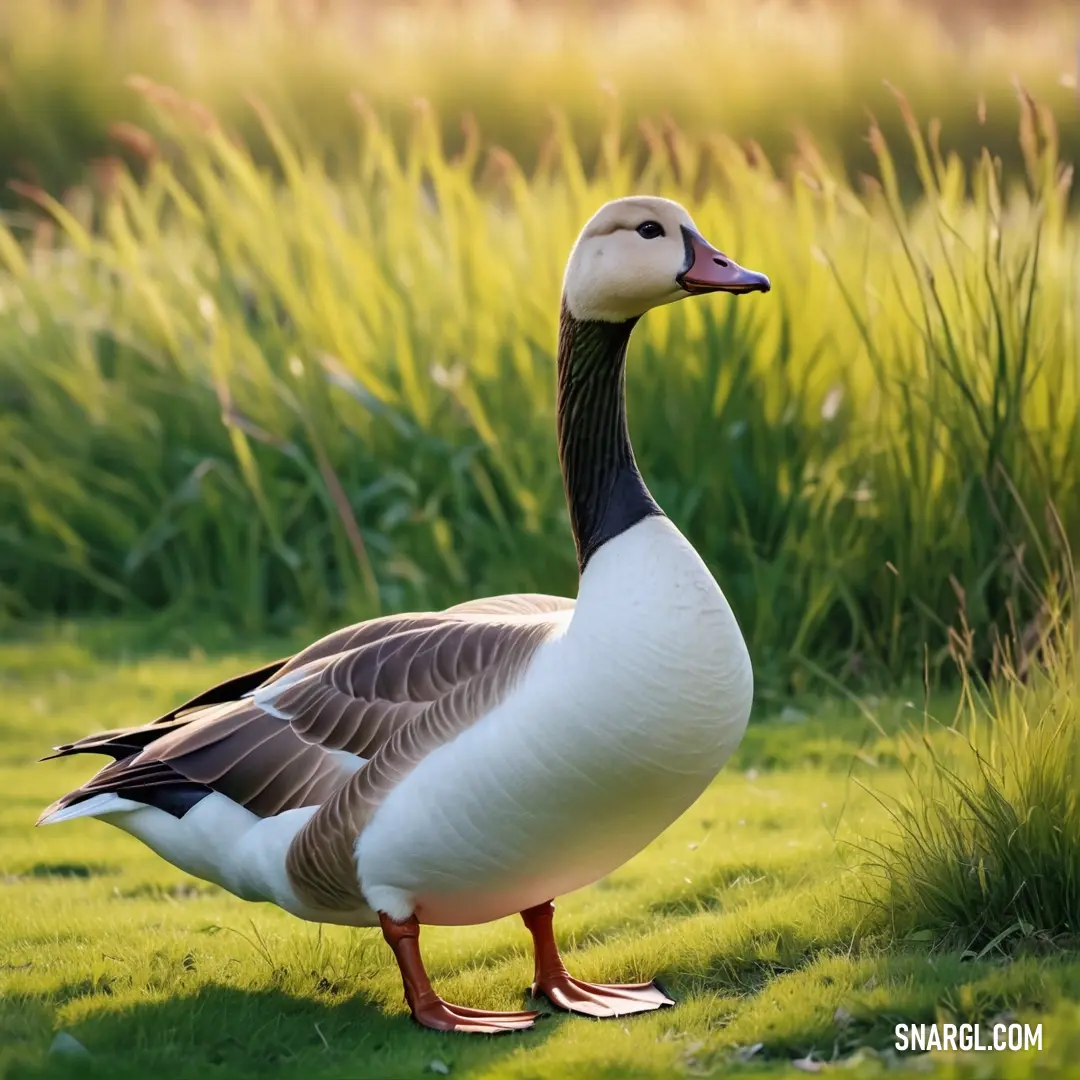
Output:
[[279, 285], [754, 70]]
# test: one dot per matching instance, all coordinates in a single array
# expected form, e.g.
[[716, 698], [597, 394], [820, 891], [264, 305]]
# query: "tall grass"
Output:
[[309, 400], [758, 71], [986, 846]]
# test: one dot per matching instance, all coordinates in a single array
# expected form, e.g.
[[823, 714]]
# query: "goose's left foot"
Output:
[[565, 992]]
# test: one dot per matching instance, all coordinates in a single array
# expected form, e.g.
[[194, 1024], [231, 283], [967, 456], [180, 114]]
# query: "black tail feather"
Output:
[[118, 743]]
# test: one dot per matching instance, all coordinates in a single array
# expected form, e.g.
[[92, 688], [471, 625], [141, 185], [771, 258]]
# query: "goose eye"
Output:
[[650, 230]]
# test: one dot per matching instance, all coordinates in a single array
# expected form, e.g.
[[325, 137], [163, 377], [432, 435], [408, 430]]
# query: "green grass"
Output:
[[308, 400], [756, 71], [747, 908]]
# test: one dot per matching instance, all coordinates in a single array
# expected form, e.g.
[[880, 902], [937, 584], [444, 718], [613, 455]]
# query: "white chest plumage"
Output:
[[616, 728]]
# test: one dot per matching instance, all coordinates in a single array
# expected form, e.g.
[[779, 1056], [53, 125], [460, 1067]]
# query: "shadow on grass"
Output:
[[69, 870], [232, 1032]]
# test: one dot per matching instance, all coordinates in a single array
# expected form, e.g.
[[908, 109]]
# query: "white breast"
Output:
[[616, 728]]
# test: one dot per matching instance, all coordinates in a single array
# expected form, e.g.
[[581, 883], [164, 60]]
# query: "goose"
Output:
[[460, 766]]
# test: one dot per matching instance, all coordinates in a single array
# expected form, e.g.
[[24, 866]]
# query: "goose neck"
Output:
[[605, 492]]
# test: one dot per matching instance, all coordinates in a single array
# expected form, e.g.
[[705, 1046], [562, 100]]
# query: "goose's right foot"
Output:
[[428, 1009]]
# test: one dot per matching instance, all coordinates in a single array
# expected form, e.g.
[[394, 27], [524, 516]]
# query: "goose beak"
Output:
[[707, 270]]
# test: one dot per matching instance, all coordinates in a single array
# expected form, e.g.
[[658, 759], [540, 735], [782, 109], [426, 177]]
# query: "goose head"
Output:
[[640, 252]]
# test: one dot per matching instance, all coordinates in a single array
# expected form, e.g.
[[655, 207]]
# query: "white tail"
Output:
[[95, 806]]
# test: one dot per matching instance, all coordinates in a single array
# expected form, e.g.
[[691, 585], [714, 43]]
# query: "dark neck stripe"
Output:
[[604, 490]]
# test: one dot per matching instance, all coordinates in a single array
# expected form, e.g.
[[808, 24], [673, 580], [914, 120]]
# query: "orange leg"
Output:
[[428, 1009], [565, 992]]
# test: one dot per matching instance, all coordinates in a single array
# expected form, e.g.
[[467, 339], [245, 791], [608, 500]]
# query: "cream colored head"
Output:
[[640, 252]]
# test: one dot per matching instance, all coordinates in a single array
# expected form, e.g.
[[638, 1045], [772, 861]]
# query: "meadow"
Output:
[[768, 911], [277, 331]]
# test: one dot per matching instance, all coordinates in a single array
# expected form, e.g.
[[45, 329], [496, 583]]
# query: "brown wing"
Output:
[[355, 691]]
